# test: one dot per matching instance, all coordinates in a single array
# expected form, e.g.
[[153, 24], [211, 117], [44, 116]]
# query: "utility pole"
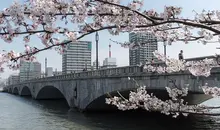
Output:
[[97, 60], [45, 67]]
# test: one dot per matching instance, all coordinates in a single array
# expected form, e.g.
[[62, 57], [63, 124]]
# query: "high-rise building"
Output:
[[94, 65], [141, 54], [109, 62], [13, 79], [56, 73], [77, 57], [49, 71], [29, 70]]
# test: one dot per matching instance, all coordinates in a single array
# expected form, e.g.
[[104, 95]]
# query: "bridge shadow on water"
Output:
[[124, 120], [141, 120], [121, 120]]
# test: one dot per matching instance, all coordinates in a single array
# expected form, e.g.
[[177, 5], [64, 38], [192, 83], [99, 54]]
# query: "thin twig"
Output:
[[121, 95]]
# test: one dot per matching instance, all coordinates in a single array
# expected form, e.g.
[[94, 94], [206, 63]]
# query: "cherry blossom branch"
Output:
[[213, 91], [126, 7], [27, 32], [209, 22], [49, 47], [171, 19], [111, 15], [184, 22], [149, 102], [196, 68], [174, 106]]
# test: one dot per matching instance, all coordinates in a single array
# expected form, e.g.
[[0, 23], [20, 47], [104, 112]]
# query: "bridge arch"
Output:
[[15, 91], [98, 103], [50, 92], [25, 91], [10, 90]]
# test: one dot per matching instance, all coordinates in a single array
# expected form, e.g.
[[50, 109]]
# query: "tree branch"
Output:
[[49, 47], [127, 8]]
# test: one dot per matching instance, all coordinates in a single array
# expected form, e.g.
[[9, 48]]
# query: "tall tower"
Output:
[[141, 54], [77, 57], [110, 53], [45, 67]]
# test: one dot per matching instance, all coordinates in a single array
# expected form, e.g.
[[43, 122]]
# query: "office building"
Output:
[[109, 63], [43, 74], [94, 65], [49, 71], [13, 79], [29, 70], [77, 57], [56, 73], [141, 54]]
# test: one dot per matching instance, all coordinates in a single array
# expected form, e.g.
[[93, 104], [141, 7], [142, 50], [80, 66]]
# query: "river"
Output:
[[24, 113]]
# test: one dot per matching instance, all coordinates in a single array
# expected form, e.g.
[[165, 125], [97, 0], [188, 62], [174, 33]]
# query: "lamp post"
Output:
[[165, 48], [45, 67], [97, 40], [165, 52], [218, 57], [28, 70]]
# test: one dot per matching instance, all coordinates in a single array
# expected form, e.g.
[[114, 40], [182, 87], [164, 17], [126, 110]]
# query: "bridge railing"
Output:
[[95, 73], [105, 72]]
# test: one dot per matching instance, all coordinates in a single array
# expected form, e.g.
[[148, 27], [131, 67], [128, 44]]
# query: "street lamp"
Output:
[[218, 57], [165, 48], [28, 70], [97, 40]]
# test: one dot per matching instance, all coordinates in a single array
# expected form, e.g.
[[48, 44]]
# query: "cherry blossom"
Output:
[[141, 99], [41, 18], [196, 68], [213, 91]]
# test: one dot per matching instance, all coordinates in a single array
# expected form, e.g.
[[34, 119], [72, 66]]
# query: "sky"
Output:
[[122, 54]]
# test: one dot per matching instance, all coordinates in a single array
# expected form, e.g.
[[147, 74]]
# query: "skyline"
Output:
[[122, 54]]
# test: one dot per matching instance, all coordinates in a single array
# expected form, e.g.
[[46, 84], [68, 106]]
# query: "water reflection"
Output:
[[25, 113]]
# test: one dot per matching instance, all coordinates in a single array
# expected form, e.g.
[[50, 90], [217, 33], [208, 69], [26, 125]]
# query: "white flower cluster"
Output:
[[175, 92], [213, 91], [149, 102], [196, 68], [41, 17]]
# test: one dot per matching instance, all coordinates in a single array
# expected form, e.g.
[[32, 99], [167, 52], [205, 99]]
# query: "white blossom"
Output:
[[41, 18], [196, 68]]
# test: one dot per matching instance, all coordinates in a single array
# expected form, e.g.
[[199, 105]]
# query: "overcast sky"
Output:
[[121, 54]]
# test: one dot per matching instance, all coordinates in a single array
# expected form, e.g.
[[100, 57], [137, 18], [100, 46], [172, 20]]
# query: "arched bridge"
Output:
[[87, 90]]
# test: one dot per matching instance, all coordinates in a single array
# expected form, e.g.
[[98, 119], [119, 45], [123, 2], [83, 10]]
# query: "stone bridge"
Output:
[[88, 90]]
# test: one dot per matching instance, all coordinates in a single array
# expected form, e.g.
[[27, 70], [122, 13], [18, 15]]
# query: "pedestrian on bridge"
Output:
[[181, 55]]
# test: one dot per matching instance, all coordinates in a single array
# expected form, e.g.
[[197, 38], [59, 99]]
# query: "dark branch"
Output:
[[125, 7], [49, 47]]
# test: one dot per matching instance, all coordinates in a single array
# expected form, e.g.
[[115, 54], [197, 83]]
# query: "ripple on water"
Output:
[[19, 113]]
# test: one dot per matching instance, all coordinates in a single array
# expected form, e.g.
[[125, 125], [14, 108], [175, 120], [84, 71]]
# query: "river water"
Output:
[[24, 113]]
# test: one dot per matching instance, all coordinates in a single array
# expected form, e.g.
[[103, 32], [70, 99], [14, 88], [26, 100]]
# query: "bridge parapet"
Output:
[[119, 71], [99, 73]]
